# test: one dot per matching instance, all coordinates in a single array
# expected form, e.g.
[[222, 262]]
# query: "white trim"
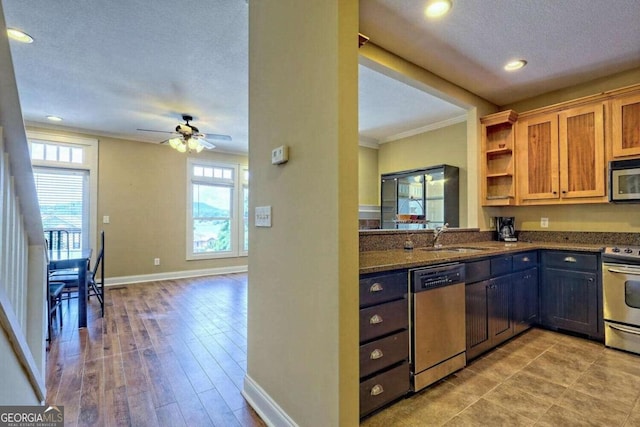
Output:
[[89, 162], [423, 129], [270, 412], [171, 275], [365, 141], [11, 325]]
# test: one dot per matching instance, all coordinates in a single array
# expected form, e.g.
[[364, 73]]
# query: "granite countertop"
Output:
[[377, 261]]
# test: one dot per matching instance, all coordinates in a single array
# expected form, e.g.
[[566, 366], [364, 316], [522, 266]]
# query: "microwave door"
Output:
[[625, 185]]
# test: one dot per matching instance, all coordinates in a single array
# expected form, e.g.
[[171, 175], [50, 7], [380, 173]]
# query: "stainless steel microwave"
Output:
[[624, 181]]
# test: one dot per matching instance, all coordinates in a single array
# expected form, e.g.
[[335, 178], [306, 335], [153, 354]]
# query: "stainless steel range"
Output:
[[621, 297]]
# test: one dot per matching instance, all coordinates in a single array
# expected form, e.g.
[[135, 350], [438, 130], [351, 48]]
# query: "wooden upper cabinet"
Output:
[[561, 156], [625, 125], [538, 158], [582, 164]]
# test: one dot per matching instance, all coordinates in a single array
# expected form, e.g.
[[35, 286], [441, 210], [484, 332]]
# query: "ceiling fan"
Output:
[[190, 138]]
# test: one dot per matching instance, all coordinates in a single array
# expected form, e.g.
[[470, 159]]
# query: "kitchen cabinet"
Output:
[[571, 293], [488, 304], [431, 194], [524, 284], [561, 156], [384, 339], [625, 125], [498, 162]]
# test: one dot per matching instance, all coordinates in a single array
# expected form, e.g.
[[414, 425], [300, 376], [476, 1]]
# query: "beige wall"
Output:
[[303, 271], [368, 176], [441, 146], [600, 217], [142, 187]]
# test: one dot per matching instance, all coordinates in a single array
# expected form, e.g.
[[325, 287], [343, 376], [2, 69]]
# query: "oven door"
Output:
[[621, 293]]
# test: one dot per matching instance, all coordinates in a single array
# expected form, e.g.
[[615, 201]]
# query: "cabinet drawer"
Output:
[[383, 319], [383, 388], [525, 260], [382, 288], [570, 260], [500, 265], [383, 353], [477, 271]]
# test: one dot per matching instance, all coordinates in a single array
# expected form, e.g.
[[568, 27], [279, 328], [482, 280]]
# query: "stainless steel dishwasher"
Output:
[[438, 342]]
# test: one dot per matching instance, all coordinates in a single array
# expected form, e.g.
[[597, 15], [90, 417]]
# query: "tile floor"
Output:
[[540, 378]]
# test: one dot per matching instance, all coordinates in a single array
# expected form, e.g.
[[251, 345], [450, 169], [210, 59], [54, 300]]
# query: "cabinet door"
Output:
[[569, 300], [500, 325], [625, 119], [538, 158], [477, 318], [525, 299], [582, 165]]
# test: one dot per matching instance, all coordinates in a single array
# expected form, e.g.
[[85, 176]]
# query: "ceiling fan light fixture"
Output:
[[437, 8], [515, 65], [182, 148], [175, 142], [193, 143], [19, 36], [199, 148]]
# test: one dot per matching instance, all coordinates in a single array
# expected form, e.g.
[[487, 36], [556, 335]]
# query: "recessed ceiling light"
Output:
[[515, 65], [437, 8], [54, 118], [19, 36]]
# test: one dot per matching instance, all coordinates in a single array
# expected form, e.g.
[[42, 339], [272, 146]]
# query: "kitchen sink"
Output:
[[456, 250]]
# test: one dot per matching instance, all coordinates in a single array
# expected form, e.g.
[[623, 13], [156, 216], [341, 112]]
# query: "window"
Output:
[[217, 212], [65, 171]]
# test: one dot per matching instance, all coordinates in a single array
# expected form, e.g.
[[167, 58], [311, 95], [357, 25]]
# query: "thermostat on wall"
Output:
[[280, 155]]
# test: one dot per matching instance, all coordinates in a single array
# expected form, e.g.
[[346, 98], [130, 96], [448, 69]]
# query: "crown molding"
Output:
[[423, 129]]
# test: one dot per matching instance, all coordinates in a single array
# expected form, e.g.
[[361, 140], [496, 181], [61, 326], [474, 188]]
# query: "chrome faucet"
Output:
[[436, 234]]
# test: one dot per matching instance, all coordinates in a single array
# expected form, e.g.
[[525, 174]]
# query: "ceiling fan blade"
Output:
[[216, 136], [206, 144], [159, 131]]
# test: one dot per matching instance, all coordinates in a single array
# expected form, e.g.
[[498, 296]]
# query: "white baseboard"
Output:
[[127, 280], [264, 405]]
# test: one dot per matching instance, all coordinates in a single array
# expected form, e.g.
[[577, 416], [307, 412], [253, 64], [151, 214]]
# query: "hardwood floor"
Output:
[[167, 353]]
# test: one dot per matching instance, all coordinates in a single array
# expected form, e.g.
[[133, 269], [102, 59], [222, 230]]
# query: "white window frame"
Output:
[[237, 229], [244, 184], [89, 163]]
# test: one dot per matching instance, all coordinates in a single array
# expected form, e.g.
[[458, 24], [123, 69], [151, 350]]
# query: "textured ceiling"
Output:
[[110, 67]]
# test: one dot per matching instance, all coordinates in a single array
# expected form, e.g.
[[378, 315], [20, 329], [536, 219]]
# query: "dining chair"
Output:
[[54, 304], [95, 285]]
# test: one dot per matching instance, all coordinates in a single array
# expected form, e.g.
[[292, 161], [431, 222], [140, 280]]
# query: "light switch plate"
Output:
[[263, 216], [105, 219]]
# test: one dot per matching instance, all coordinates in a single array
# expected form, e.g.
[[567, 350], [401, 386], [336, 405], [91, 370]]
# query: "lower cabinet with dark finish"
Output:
[[383, 388], [384, 340], [525, 299], [571, 293]]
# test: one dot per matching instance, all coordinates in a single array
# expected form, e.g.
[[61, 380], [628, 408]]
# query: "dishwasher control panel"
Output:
[[423, 279]]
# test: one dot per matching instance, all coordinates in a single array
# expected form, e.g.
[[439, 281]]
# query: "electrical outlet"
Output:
[[544, 222], [156, 261]]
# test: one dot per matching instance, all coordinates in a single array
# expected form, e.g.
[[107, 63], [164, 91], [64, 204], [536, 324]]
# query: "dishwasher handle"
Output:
[[425, 279]]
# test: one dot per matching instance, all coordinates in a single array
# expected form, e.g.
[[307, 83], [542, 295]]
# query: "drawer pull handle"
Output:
[[570, 259], [376, 287], [375, 319], [376, 354], [525, 259], [376, 390]]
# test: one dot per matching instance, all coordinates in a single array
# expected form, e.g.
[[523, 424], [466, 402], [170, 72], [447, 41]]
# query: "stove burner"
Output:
[[628, 254]]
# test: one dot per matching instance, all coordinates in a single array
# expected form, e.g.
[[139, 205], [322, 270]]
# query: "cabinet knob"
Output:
[[570, 259], [554, 192], [564, 191], [525, 259], [375, 319], [376, 354], [377, 389], [376, 287]]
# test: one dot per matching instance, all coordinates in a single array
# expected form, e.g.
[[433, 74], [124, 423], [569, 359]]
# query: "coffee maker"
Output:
[[506, 228]]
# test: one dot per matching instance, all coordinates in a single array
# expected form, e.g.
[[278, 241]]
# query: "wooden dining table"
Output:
[[79, 258]]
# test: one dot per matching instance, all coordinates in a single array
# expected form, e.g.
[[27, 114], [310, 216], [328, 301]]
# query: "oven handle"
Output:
[[624, 270], [629, 331]]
